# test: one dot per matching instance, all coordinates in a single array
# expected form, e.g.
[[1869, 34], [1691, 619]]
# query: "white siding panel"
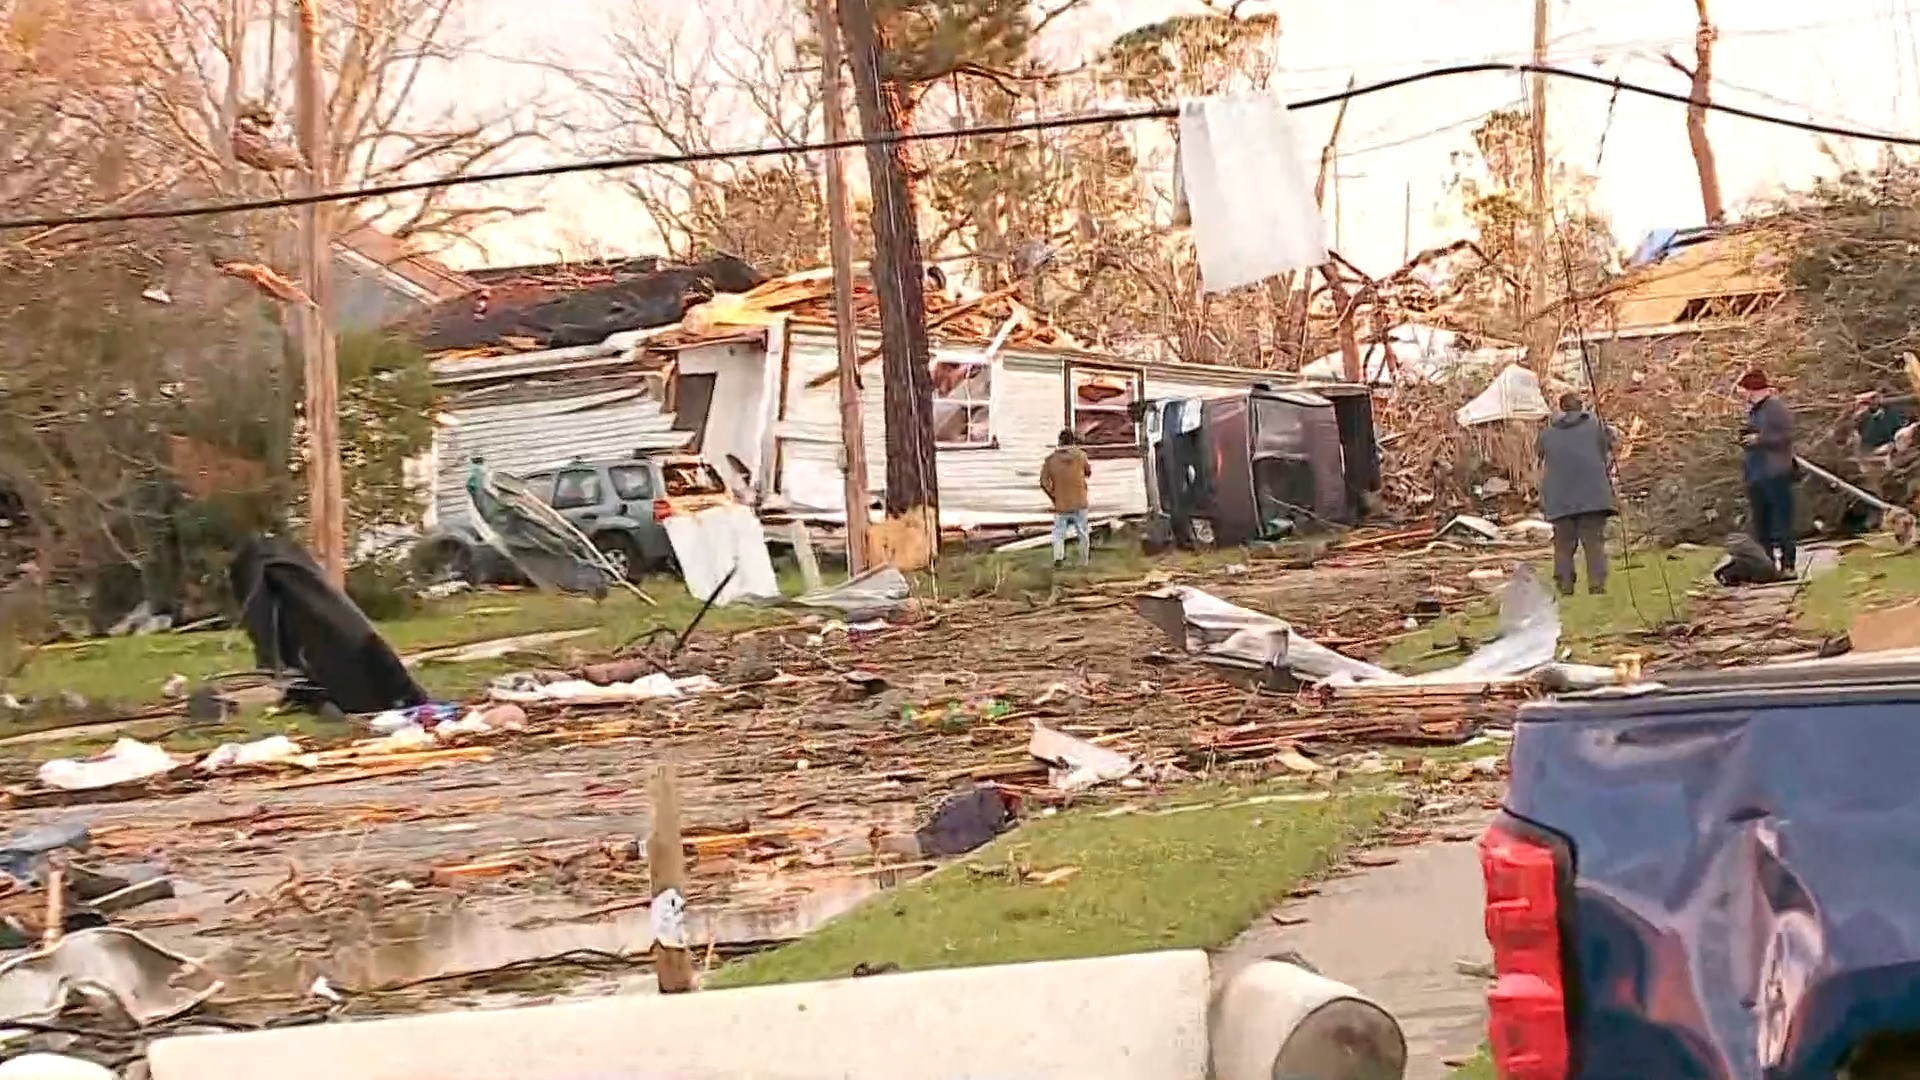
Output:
[[977, 486], [538, 435], [1201, 383]]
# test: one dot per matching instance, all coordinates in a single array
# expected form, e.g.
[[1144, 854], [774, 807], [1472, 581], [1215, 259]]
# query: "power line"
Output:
[[978, 131]]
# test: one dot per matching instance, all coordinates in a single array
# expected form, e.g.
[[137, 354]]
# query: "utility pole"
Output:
[[912, 529], [1350, 361], [1537, 264], [853, 433], [326, 510]]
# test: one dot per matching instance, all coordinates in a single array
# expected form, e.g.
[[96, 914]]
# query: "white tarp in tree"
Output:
[[1514, 394], [1245, 189], [712, 542]]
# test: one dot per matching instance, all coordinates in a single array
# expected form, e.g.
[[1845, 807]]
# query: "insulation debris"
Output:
[[1078, 764]]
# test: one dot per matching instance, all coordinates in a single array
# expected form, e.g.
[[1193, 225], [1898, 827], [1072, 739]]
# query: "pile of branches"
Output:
[[1848, 254], [1433, 467]]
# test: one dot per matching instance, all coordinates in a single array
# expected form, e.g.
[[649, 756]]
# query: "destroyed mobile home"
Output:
[[745, 382]]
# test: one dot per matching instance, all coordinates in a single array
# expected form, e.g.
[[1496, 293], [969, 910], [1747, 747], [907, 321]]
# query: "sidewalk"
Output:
[[1400, 933]]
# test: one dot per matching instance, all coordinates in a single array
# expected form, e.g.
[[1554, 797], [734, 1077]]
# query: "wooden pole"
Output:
[[56, 905], [1536, 300], [667, 874], [1350, 363], [853, 432], [326, 510]]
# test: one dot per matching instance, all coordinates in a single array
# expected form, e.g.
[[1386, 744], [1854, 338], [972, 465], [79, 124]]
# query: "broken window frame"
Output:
[[968, 400], [1072, 379]]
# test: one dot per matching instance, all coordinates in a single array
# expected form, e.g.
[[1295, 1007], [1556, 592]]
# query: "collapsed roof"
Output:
[[530, 308], [807, 297]]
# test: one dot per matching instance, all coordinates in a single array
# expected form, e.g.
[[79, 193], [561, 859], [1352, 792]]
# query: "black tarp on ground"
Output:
[[299, 622]]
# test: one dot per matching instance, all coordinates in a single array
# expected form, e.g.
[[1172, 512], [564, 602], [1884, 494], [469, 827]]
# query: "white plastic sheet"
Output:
[[581, 692], [1514, 394], [711, 543], [129, 760], [1246, 190], [272, 750]]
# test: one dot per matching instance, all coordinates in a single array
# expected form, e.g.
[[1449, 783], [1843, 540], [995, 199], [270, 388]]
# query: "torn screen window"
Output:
[[1100, 407], [962, 403]]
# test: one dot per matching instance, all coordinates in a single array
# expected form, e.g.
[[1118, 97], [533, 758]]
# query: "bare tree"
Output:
[[704, 78], [1701, 75], [224, 72]]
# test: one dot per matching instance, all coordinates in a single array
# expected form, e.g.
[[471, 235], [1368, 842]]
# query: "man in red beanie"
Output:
[[1769, 469]]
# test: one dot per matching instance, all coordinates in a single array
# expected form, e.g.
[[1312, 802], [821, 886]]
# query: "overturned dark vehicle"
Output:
[[1262, 464]]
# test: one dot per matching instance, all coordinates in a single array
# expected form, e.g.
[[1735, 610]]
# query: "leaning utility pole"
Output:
[[853, 434], [326, 510], [913, 490], [1536, 301]]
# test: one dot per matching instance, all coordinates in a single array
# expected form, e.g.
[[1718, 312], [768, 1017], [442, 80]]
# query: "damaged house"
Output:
[[544, 365], [1683, 285], [540, 364], [753, 375]]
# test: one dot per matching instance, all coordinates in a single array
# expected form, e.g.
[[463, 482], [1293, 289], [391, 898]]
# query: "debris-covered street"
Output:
[[805, 772]]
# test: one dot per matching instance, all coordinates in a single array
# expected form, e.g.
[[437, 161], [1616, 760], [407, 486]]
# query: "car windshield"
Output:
[[691, 478]]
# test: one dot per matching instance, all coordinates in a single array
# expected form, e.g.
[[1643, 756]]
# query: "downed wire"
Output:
[[895, 137]]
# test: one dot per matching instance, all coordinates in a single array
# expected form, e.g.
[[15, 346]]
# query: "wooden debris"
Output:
[[485, 868]]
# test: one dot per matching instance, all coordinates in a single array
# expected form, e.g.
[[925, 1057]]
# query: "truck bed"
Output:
[[1744, 897]]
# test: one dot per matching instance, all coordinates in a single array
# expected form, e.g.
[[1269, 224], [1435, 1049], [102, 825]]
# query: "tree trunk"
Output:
[[913, 496], [1703, 160]]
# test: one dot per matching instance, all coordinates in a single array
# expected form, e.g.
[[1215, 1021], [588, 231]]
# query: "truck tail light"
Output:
[[1527, 1022], [662, 510]]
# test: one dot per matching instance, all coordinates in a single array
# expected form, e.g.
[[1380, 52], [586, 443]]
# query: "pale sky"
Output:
[[1850, 62]]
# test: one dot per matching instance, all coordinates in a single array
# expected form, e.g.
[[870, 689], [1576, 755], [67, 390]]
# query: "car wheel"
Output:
[[446, 560], [460, 565], [622, 555]]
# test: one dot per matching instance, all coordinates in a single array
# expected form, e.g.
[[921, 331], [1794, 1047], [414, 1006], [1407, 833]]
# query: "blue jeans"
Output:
[[1076, 520]]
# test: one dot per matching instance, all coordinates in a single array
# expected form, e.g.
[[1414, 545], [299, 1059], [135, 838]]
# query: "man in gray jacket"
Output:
[[1576, 494]]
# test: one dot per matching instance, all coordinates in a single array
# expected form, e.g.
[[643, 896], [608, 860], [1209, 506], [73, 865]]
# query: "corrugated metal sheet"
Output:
[[534, 436]]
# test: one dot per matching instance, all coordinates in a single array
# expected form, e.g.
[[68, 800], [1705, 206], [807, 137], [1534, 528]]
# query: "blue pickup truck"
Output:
[[1717, 878]]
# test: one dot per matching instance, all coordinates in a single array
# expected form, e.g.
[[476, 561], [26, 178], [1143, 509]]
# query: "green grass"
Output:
[[119, 674], [1869, 577], [1146, 880], [1644, 592]]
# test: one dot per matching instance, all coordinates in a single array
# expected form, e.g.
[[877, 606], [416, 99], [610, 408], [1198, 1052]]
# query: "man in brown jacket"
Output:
[[1064, 478]]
